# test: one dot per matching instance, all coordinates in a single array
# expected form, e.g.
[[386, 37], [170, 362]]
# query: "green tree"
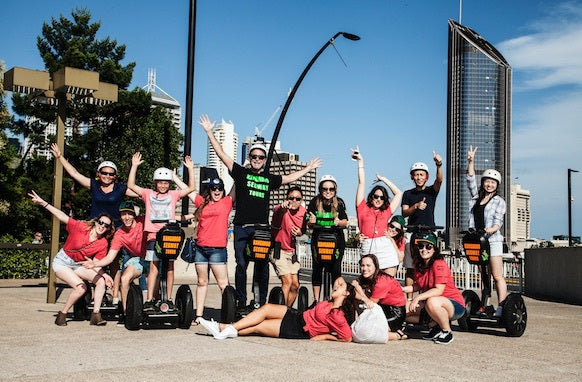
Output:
[[113, 132]]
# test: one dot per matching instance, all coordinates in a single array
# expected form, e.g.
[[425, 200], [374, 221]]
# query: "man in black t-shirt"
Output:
[[252, 188], [418, 205]]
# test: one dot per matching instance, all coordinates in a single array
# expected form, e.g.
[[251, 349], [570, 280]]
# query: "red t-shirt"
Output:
[[322, 319], [158, 207], [388, 291], [78, 243], [213, 223], [372, 223], [439, 273], [286, 222], [133, 240]]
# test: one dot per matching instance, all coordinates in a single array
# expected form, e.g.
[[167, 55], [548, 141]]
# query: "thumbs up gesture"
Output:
[[422, 204]]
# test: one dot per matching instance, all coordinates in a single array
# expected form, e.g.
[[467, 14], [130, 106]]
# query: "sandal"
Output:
[[401, 335]]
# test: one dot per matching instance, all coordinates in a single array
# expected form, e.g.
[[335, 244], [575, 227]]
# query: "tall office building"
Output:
[[228, 139], [478, 114], [520, 216]]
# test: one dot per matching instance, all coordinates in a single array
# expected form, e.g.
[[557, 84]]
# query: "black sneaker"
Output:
[[149, 306], [171, 306], [444, 338], [121, 320], [433, 333]]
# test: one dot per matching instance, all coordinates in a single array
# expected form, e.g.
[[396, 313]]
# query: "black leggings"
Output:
[[334, 267]]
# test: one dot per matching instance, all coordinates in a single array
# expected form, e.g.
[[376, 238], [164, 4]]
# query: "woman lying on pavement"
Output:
[[327, 320], [85, 240]]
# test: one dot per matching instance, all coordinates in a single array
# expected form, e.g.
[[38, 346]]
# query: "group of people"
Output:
[[384, 244]]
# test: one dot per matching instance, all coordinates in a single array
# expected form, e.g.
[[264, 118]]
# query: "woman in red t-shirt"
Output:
[[440, 301], [376, 287], [213, 210], [327, 320], [85, 240]]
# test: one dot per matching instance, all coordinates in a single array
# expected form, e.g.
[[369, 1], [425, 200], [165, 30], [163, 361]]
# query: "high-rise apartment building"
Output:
[[284, 164], [520, 216], [228, 139], [478, 114], [163, 99]]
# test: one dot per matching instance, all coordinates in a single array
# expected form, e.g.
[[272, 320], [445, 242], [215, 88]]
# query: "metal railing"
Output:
[[466, 276]]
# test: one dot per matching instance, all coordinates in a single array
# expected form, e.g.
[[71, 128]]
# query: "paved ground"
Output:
[[32, 348]]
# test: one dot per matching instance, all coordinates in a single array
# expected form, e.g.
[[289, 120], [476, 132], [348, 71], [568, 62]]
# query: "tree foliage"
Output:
[[113, 132]]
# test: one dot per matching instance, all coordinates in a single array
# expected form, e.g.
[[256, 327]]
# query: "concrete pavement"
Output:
[[33, 348]]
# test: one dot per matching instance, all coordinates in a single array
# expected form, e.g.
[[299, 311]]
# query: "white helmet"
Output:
[[163, 173], [327, 178], [492, 174], [107, 164], [418, 166], [258, 146]]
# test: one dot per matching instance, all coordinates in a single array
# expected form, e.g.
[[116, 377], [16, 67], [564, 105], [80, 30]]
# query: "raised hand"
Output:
[[205, 123], [136, 159]]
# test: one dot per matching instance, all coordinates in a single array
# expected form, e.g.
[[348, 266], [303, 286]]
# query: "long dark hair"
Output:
[[110, 231], [349, 305], [385, 202], [368, 284], [419, 264]]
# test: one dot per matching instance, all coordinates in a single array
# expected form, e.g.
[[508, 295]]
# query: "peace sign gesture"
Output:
[[471, 153]]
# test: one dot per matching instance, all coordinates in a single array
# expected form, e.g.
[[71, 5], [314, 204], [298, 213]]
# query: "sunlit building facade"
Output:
[[478, 114]]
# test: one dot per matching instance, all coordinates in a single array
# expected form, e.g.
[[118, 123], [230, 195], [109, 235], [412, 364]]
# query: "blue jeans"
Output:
[[210, 255], [261, 271]]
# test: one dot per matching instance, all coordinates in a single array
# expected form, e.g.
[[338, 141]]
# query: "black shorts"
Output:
[[292, 325], [395, 316]]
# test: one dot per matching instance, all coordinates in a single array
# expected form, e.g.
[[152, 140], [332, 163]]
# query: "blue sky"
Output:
[[391, 98]]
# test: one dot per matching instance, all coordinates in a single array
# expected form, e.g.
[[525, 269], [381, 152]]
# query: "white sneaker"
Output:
[[228, 332], [499, 311], [211, 326]]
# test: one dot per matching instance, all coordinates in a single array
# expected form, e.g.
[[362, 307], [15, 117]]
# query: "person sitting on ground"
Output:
[[376, 287], [288, 222], [440, 301], [85, 240], [327, 320], [160, 208], [130, 236]]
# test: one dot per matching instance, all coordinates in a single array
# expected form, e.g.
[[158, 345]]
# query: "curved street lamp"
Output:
[[349, 36]]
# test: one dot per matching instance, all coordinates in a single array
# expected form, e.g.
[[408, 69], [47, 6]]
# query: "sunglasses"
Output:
[[327, 188], [428, 246], [107, 173], [296, 198], [261, 157], [381, 197], [394, 227], [216, 188], [106, 225]]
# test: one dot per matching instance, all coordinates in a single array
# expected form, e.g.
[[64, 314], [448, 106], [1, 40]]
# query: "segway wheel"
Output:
[[185, 304], [302, 299], [472, 303], [228, 308], [81, 307], [514, 315], [276, 296], [134, 308]]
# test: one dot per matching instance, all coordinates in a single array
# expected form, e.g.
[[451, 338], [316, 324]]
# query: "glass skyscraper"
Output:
[[478, 114]]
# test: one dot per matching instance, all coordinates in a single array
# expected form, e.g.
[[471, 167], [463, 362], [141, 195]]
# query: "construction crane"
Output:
[[259, 132]]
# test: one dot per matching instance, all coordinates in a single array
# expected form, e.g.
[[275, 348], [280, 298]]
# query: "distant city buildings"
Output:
[[478, 114], [163, 99], [520, 216], [228, 139]]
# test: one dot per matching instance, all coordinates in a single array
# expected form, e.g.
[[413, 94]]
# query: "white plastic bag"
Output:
[[371, 327]]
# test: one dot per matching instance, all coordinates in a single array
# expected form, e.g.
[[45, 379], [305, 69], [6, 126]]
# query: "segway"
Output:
[[258, 248], [84, 306], [169, 244], [325, 250], [514, 313]]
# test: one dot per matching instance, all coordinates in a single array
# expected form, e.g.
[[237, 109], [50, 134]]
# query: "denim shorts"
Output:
[[62, 261], [139, 264], [210, 255], [459, 310], [496, 248]]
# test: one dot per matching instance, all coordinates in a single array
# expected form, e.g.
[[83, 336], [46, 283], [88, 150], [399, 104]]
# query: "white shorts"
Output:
[[62, 261], [496, 248], [383, 249]]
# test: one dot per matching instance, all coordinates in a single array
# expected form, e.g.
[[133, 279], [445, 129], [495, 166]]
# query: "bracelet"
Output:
[[46, 204]]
